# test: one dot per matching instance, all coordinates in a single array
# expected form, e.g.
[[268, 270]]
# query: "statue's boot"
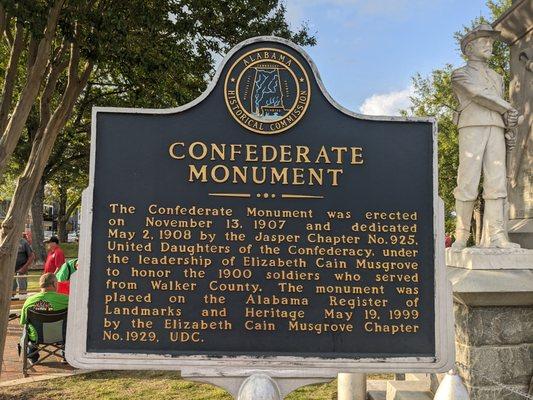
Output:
[[464, 210], [497, 234]]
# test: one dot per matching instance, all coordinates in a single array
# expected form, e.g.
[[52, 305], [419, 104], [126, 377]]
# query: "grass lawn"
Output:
[[70, 250], [119, 385], [33, 280]]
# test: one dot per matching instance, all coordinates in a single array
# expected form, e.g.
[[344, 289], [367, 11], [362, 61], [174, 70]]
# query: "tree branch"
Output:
[[105, 94], [51, 83], [55, 70], [7, 31], [13, 131], [44, 141], [57, 167], [72, 207], [10, 76], [32, 53], [2, 19], [82, 105]]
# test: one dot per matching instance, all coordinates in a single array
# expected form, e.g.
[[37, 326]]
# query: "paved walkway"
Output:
[[12, 363]]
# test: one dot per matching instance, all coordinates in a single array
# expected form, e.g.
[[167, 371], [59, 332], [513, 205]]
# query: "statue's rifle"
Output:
[[513, 161]]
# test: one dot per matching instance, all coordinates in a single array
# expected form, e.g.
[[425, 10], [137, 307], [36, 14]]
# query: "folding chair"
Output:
[[51, 327]]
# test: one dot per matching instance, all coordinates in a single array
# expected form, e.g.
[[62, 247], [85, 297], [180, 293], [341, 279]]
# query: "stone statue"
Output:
[[483, 118]]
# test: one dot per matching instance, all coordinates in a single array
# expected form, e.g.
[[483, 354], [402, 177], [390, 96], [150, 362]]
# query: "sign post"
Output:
[[351, 386], [261, 230]]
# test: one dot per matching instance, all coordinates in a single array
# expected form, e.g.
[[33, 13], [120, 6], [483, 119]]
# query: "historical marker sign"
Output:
[[262, 226]]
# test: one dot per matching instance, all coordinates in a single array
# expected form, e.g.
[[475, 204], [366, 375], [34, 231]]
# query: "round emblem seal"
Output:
[[267, 91]]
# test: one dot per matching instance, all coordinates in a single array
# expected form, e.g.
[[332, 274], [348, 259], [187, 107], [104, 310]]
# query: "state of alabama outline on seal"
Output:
[[267, 91]]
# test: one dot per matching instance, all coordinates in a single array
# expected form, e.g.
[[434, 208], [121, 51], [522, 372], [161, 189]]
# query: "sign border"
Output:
[[241, 366]]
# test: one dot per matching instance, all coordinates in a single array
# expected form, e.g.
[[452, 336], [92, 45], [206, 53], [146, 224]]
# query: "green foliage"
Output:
[[147, 53], [7, 188], [31, 13], [162, 53], [433, 96], [70, 249]]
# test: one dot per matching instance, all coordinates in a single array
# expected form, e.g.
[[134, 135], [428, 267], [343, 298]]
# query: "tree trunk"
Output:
[[37, 229], [62, 216], [9, 238], [28, 183]]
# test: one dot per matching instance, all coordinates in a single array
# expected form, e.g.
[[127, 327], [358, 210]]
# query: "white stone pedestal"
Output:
[[489, 259], [259, 387], [351, 386]]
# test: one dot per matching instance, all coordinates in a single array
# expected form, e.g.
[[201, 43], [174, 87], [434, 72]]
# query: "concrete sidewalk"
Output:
[[12, 363]]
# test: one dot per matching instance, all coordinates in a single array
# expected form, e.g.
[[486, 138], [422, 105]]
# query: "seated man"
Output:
[[63, 275], [46, 300]]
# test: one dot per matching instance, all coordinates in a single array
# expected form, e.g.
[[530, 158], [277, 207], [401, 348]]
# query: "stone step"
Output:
[[417, 377], [376, 389], [408, 390]]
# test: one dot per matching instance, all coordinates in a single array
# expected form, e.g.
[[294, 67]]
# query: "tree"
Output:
[[31, 26], [67, 176], [433, 96], [158, 52]]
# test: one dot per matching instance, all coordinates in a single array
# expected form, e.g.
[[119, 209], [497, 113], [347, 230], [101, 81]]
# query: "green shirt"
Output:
[[43, 301], [66, 270]]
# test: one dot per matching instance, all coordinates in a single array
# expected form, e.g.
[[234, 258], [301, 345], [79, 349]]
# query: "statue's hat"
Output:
[[482, 30]]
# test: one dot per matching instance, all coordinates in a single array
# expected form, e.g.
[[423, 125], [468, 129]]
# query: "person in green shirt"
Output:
[[64, 272], [46, 300]]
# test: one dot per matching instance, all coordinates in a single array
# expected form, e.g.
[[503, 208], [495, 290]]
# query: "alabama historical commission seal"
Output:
[[267, 91]]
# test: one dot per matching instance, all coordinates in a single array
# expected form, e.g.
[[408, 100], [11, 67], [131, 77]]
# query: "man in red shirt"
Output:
[[55, 257], [448, 240]]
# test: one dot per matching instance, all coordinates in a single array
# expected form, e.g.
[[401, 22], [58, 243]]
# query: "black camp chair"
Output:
[[51, 327]]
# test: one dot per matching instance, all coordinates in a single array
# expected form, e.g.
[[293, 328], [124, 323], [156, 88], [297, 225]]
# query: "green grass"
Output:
[[33, 280], [115, 386], [70, 249], [140, 385]]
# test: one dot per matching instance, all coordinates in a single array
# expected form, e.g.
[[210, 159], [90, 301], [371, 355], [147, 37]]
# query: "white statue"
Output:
[[482, 119]]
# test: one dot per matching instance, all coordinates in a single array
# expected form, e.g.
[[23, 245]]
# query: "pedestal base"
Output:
[[489, 259], [494, 347], [493, 329]]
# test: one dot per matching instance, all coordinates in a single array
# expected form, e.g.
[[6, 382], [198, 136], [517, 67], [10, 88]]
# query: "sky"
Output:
[[368, 50]]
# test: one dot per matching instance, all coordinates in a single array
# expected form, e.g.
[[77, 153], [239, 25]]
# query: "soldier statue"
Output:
[[482, 119]]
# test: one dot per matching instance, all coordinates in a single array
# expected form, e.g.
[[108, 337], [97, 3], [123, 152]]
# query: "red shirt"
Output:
[[54, 260], [63, 287]]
